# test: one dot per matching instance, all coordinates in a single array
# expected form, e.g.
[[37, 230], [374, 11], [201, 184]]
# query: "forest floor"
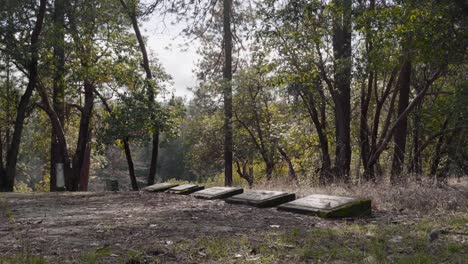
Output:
[[137, 227]]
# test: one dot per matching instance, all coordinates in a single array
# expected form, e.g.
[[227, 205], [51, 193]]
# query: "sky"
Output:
[[163, 41]]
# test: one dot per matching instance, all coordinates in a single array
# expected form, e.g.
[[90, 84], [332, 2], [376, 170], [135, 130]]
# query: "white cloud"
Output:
[[164, 41]]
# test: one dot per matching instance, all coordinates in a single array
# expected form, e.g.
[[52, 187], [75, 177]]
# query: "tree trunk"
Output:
[[2, 165], [269, 169], [242, 171], [400, 134], [154, 159], [131, 168], [415, 166], [307, 98], [128, 154], [131, 11], [84, 138], [227, 94], [12, 154], [438, 150], [84, 175], [363, 126], [291, 172], [56, 155], [342, 93]]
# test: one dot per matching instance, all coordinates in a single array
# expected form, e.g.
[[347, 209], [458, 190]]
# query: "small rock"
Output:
[[396, 239], [434, 235], [369, 259], [275, 226], [238, 255]]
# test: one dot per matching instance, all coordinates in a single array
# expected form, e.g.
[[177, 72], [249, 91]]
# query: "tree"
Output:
[[8, 173], [342, 93], [227, 93]]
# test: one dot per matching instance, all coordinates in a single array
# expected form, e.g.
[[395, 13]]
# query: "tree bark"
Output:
[[84, 174], [56, 155], [342, 93], [84, 138], [154, 158], [400, 134], [291, 172], [227, 94], [438, 151], [269, 166], [12, 154], [364, 131], [131, 169]]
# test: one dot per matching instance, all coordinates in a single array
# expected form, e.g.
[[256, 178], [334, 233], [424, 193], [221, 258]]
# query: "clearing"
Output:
[[140, 227]]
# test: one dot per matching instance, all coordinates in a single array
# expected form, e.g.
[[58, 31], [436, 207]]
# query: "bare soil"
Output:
[[146, 227], [67, 225]]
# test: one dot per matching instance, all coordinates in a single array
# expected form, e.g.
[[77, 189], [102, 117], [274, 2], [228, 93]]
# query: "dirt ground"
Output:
[[139, 227], [59, 225]]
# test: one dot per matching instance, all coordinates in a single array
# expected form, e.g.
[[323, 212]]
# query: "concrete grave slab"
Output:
[[218, 193], [185, 189], [259, 198], [328, 206], [159, 187]]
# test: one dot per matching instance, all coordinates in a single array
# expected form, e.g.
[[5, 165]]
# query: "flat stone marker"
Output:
[[262, 199], [185, 189], [159, 187], [218, 193], [328, 206]]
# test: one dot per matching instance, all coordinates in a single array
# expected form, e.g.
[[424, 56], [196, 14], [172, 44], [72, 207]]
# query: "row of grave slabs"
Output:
[[325, 206]]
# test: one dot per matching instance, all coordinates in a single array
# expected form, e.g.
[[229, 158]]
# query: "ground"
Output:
[[138, 227]]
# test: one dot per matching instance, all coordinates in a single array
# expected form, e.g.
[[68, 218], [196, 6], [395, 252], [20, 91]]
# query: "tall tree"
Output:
[[132, 14], [56, 155], [227, 91], [400, 134], [7, 174], [342, 93]]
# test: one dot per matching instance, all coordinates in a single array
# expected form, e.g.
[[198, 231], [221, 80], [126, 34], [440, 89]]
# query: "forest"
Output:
[[301, 92]]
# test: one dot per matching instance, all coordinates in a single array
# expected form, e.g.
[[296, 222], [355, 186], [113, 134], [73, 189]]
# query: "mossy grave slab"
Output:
[[159, 187], [328, 206], [218, 193], [262, 199], [185, 189]]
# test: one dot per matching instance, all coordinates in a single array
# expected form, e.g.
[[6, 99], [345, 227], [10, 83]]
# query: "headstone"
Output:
[[328, 206], [262, 199], [159, 187], [60, 175], [218, 193], [185, 189]]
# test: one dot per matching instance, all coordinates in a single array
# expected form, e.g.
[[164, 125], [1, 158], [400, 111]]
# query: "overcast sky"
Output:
[[163, 41]]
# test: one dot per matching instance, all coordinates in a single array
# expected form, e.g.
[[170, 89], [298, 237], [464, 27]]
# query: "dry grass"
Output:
[[421, 197]]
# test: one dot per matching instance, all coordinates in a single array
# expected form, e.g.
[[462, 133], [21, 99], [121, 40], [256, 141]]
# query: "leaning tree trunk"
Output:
[[131, 168], [309, 102], [12, 154], [291, 172], [401, 129], [227, 93], [131, 12], [342, 93]]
